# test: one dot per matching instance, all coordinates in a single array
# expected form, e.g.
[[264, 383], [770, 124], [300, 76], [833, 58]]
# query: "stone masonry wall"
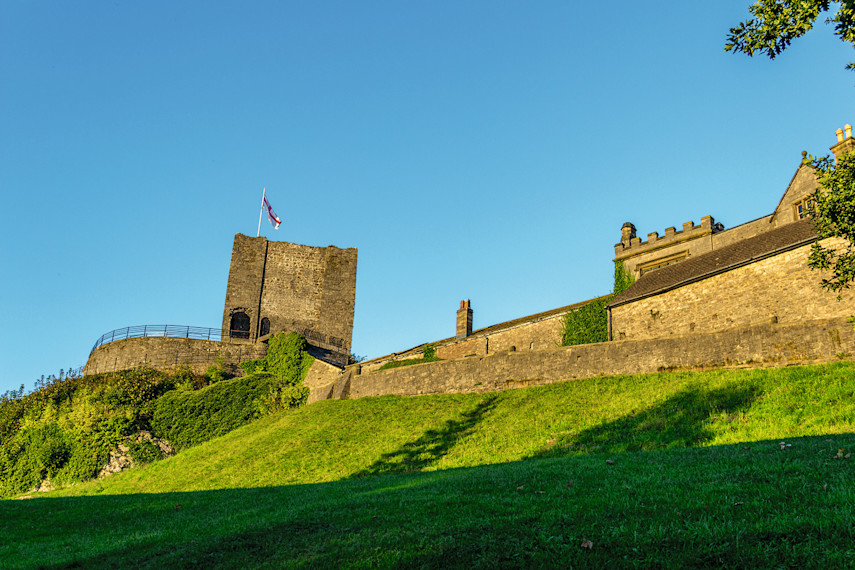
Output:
[[778, 289], [164, 353], [542, 331], [761, 345], [310, 290], [246, 273]]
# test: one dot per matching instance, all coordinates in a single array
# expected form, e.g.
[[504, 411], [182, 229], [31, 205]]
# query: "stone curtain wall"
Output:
[[167, 353], [761, 345], [778, 289]]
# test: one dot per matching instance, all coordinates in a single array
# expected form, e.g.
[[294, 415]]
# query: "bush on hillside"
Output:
[[190, 418], [65, 429]]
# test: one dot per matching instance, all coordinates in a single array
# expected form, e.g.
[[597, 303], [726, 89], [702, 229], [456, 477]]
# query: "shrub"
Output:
[[253, 366], [190, 418], [217, 372]]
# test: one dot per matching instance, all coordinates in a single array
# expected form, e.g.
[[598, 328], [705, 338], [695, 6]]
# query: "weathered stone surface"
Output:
[[120, 458], [310, 290], [779, 289], [164, 353], [760, 345]]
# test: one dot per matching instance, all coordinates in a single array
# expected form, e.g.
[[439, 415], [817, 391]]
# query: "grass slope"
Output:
[[591, 474]]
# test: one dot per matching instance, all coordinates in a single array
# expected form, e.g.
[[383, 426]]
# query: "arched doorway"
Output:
[[239, 327]]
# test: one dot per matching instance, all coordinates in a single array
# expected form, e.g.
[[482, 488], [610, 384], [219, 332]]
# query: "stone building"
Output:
[[700, 279], [281, 286], [705, 278]]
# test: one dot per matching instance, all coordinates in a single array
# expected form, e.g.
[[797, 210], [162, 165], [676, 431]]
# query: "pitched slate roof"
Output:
[[767, 244], [494, 328]]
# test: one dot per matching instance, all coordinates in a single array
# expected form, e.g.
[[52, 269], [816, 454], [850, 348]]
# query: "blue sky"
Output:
[[469, 149]]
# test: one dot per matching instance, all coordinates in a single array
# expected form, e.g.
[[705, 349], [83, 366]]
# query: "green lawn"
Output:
[[667, 470]]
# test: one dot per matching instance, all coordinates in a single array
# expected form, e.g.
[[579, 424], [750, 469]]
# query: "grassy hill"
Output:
[[720, 468]]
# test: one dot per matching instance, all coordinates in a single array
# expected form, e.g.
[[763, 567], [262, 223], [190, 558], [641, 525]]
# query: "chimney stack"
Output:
[[845, 142], [627, 232], [464, 319]]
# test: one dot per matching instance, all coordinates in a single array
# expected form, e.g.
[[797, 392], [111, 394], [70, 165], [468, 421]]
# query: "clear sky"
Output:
[[469, 149]]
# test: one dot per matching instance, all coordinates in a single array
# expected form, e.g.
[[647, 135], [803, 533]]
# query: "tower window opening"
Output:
[[239, 327]]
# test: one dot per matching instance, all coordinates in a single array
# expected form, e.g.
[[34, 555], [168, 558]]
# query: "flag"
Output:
[[271, 215]]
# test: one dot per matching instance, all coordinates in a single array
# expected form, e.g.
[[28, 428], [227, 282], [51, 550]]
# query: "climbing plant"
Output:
[[589, 323]]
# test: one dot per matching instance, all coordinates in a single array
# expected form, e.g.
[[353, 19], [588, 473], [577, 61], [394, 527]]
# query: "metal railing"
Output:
[[172, 331]]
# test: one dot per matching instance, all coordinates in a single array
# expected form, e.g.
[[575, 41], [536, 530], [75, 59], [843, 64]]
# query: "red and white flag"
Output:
[[271, 215]]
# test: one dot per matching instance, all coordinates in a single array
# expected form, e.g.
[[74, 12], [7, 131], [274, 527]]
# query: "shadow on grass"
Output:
[[462, 519], [683, 420], [432, 446]]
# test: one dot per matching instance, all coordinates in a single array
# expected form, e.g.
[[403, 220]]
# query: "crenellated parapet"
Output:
[[658, 250]]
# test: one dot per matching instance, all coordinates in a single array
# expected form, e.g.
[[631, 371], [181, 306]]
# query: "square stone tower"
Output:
[[280, 286]]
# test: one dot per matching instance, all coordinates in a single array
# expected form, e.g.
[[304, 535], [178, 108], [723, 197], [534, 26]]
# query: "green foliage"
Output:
[[253, 366], [217, 372], [833, 214], [428, 355], [777, 23], [190, 418], [287, 358], [429, 352], [271, 384], [590, 323], [65, 429], [623, 278], [587, 324], [143, 452]]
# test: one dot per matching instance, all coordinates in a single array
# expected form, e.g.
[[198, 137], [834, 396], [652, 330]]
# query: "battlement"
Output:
[[630, 245]]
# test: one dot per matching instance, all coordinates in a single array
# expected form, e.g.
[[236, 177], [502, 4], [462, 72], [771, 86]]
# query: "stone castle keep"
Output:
[[272, 287], [280, 286], [704, 296]]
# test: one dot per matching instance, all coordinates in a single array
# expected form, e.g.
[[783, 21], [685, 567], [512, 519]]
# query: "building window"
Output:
[[662, 262], [239, 327], [803, 207], [265, 326]]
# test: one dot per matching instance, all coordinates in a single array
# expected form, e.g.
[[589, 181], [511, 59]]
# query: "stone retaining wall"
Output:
[[760, 345], [165, 353]]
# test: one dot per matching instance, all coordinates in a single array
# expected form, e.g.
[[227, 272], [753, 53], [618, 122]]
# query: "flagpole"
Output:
[[261, 211]]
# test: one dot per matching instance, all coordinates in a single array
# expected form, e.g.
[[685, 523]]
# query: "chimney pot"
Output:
[[845, 143]]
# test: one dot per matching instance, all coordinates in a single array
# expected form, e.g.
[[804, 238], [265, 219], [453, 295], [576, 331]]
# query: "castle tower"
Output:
[[280, 286]]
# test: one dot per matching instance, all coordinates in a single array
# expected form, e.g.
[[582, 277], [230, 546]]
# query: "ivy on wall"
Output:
[[589, 323], [428, 355]]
